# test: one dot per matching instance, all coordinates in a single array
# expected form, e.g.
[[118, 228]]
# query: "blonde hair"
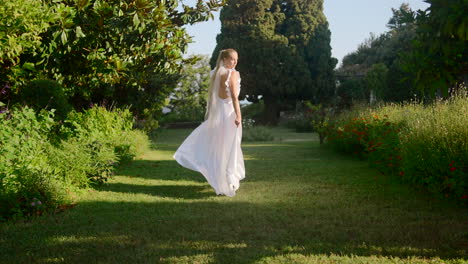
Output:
[[223, 54]]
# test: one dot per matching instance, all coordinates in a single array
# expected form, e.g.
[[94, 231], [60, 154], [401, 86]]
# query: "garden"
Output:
[[364, 162]]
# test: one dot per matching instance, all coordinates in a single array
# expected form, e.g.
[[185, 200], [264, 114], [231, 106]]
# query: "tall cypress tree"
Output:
[[284, 50]]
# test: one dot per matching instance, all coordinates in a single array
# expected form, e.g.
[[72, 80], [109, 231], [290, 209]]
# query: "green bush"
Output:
[[26, 176], [425, 145], [39, 169], [105, 136], [253, 111], [257, 133], [46, 94], [190, 113]]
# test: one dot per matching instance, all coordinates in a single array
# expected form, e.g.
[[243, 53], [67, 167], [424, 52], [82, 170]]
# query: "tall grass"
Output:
[[425, 145]]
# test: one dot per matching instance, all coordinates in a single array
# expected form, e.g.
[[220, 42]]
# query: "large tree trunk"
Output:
[[271, 112]]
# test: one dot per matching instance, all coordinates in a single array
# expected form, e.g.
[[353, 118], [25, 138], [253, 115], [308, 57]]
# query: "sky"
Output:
[[351, 22]]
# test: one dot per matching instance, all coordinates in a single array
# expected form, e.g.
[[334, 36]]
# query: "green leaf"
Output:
[[79, 32], [136, 20], [64, 37], [29, 66]]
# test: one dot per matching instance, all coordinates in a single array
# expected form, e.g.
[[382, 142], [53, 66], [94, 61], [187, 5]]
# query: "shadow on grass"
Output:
[[342, 220], [225, 231], [168, 170], [172, 191]]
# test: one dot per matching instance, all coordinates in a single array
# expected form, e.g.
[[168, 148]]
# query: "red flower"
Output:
[[464, 197], [453, 169], [402, 173]]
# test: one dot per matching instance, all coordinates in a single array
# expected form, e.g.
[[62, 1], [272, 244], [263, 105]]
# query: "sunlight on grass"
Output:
[[299, 203]]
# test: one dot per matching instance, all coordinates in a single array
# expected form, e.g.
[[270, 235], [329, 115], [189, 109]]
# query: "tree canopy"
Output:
[[123, 51], [284, 51], [424, 51]]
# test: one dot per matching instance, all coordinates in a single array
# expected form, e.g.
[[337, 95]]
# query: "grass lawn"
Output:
[[299, 203]]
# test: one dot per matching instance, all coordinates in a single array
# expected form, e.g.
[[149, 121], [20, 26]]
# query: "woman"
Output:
[[213, 148]]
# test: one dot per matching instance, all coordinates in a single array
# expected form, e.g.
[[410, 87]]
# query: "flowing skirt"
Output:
[[216, 152]]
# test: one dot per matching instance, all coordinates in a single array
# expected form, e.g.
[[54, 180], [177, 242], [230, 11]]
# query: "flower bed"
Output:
[[425, 145]]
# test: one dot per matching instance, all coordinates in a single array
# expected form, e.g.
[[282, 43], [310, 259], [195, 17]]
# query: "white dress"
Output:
[[214, 147]]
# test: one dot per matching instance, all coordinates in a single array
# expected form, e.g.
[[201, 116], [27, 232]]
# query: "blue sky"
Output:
[[351, 22]]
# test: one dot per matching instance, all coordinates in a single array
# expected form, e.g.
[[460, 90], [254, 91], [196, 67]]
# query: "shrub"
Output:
[[191, 113], [104, 136], [26, 176], [39, 169], [424, 145], [46, 94], [253, 111], [257, 133]]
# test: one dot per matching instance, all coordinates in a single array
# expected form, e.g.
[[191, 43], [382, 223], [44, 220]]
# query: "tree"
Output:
[[189, 98], [439, 54], [127, 52], [21, 24], [376, 81], [386, 50], [278, 48], [321, 65]]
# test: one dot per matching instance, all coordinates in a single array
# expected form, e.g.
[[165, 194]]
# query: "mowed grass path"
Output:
[[299, 203]]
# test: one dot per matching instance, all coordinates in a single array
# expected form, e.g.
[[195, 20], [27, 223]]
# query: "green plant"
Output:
[[257, 133], [40, 165], [253, 111], [424, 145], [25, 171], [45, 94]]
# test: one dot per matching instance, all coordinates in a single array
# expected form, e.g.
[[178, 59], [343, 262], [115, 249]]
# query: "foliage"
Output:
[[439, 54], [26, 176], [424, 51], [368, 62], [422, 145], [21, 25], [40, 165], [112, 51], [377, 80], [319, 117], [105, 137], [46, 94], [300, 203], [352, 91], [321, 65], [191, 114], [253, 111], [257, 133], [188, 100], [284, 49]]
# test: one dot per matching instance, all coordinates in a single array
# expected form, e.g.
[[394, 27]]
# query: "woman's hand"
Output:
[[238, 121]]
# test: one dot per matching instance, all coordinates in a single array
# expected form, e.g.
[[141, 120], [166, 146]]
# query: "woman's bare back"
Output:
[[222, 93]]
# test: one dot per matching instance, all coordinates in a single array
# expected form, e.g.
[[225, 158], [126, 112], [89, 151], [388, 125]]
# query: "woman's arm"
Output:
[[234, 87]]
